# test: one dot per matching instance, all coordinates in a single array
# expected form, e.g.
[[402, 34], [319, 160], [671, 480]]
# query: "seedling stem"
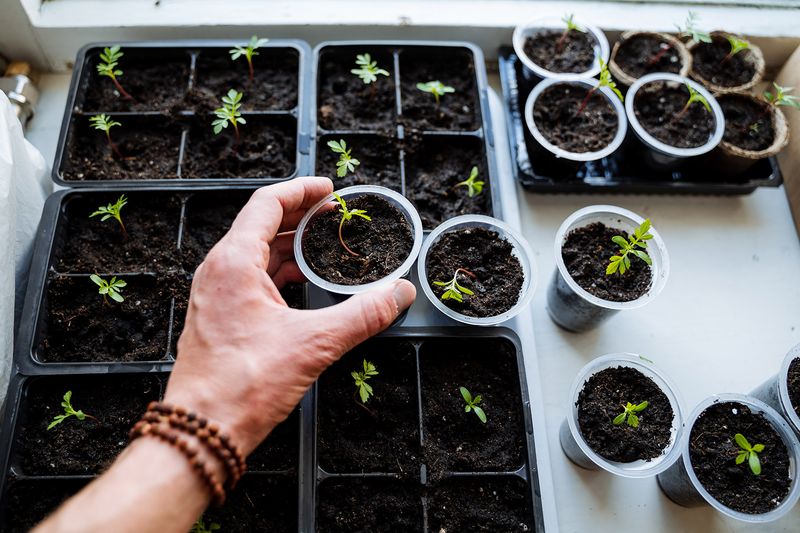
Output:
[[248, 51], [604, 81], [694, 97], [104, 123], [348, 214], [68, 412], [737, 45], [473, 185], [436, 88], [109, 59], [113, 211], [571, 25]]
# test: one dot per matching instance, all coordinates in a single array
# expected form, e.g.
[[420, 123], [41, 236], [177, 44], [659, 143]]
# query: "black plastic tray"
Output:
[[616, 173]]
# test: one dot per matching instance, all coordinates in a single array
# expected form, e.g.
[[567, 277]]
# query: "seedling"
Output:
[[109, 60], [113, 211], [737, 45], [749, 453], [689, 30], [363, 388], [622, 263], [348, 214], [68, 412], [248, 51], [346, 163], [109, 288], [472, 404], [571, 26], [694, 98], [473, 185], [453, 290], [368, 69], [200, 526], [781, 97], [104, 123], [229, 113], [605, 80], [436, 88], [629, 414]]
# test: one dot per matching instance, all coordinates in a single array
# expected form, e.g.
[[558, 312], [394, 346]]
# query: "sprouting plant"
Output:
[[690, 30], [781, 97], [368, 69], [346, 163], [363, 388], [629, 414], [104, 123], [200, 526], [436, 88], [109, 59], [749, 453], [68, 412], [694, 98], [473, 185], [109, 288], [472, 404], [348, 214], [229, 113], [737, 45], [454, 290], [113, 211], [248, 51], [622, 263], [571, 26], [605, 80]]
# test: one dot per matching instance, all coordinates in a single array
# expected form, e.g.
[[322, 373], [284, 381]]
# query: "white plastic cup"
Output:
[[680, 484], [522, 251], [571, 306], [775, 391], [578, 450]]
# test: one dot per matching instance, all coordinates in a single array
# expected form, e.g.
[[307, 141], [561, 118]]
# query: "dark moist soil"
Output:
[[149, 149], [748, 124], [575, 54], [604, 396], [713, 451], [383, 244], [709, 62], [89, 245], [274, 85], [346, 103], [556, 116], [80, 327], [793, 384], [208, 218], [498, 273], [28, 502], [434, 169], [378, 158], [457, 441], [266, 150], [381, 435], [368, 505], [279, 452], [458, 111], [639, 55], [586, 253], [74, 446], [480, 504], [259, 503], [658, 108]]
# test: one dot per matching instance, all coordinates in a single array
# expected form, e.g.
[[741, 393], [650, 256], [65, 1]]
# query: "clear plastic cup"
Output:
[[570, 305], [775, 391], [522, 251], [577, 449], [680, 484], [397, 200]]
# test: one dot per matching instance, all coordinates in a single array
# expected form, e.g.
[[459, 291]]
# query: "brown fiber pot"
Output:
[[675, 43], [756, 57]]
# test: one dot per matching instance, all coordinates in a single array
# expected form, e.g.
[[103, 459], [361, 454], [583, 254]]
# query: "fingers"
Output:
[[280, 250], [287, 272]]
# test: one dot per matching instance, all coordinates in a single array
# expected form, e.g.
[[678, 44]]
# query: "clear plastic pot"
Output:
[[680, 483], [775, 391], [522, 251], [571, 306], [577, 449]]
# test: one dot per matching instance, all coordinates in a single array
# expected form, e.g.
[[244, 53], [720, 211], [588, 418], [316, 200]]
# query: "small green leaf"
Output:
[[619, 240], [641, 407], [633, 420], [620, 418], [741, 441], [480, 413], [758, 448], [755, 464], [465, 394], [741, 457]]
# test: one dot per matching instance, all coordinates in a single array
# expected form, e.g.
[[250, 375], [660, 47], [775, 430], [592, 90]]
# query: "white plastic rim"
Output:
[[611, 98], [635, 469], [719, 118], [627, 221], [783, 387], [522, 251], [523, 31], [780, 426], [394, 198]]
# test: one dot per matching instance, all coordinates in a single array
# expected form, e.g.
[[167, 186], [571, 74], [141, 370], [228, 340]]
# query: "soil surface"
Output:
[[709, 60], [368, 505], [457, 441], [28, 502], [793, 383], [748, 124], [381, 435], [279, 452], [149, 148], [266, 149], [480, 504], [81, 327], [574, 54], [434, 168], [643, 54], [259, 503], [346, 103], [382, 243], [75, 446], [659, 109], [378, 157], [208, 218], [586, 253], [497, 276], [713, 451], [604, 396], [556, 115]]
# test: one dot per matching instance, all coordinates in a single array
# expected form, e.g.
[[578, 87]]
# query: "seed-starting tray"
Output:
[[622, 172]]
